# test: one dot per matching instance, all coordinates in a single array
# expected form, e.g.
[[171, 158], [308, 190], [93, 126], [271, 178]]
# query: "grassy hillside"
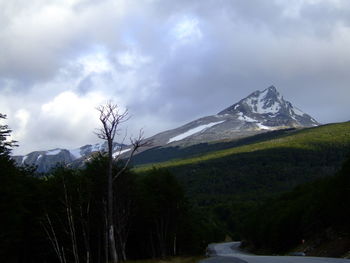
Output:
[[163, 154], [275, 162]]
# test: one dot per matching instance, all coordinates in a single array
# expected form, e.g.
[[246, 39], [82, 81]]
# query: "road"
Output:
[[230, 253]]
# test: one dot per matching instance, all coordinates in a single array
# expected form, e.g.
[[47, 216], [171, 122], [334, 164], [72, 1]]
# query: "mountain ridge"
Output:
[[259, 112], [45, 160]]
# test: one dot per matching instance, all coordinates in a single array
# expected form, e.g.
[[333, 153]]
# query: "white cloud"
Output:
[[70, 108], [187, 29], [167, 61], [95, 62], [132, 59], [22, 117]]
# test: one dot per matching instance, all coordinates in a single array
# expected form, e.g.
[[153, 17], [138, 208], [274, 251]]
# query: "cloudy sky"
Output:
[[167, 61]]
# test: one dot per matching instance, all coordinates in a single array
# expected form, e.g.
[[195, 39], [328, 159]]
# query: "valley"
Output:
[[218, 176]]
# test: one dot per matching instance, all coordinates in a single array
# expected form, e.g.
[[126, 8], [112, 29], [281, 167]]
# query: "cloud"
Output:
[[41, 36], [167, 61], [68, 120]]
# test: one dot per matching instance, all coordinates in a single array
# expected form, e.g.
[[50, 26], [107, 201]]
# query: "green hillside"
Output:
[[267, 165]]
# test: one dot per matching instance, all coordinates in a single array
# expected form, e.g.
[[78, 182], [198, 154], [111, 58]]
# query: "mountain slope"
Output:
[[45, 160], [265, 166], [333, 135], [261, 111]]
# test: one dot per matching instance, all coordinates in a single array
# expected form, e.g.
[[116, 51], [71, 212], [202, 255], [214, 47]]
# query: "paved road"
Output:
[[230, 253]]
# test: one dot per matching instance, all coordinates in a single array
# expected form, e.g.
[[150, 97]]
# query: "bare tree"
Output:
[[111, 117], [51, 233]]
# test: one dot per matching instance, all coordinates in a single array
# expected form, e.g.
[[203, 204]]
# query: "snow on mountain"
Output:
[[120, 152], [242, 117], [193, 131], [45, 160], [23, 159], [53, 152], [261, 111], [262, 105], [76, 153], [269, 108]]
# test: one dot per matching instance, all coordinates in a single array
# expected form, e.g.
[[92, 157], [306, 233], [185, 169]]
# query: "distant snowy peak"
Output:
[[90, 148], [270, 108], [261, 111], [45, 160]]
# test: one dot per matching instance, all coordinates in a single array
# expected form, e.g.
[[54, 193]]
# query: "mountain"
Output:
[[256, 166], [45, 160], [261, 111]]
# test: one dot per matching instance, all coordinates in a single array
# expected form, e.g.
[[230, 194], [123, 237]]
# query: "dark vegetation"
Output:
[[153, 217], [317, 211], [60, 217], [242, 186], [272, 190], [257, 167]]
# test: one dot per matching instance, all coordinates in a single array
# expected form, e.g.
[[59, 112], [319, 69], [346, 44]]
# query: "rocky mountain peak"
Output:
[[261, 111], [267, 101], [269, 108]]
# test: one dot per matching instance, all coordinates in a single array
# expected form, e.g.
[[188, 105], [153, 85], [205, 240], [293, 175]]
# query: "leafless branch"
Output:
[[136, 143], [110, 117]]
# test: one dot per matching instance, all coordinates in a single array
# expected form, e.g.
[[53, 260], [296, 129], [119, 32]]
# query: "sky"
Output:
[[168, 62]]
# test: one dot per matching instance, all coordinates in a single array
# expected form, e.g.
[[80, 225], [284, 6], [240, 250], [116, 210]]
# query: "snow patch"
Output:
[[53, 152], [263, 127], [297, 111], [117, 153], [258, 103], [193, 131], [97, 147], [76, 153], [242, 117], [24, 158], [37, 159]]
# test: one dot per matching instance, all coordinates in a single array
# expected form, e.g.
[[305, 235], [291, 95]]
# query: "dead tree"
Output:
[[111, 117]]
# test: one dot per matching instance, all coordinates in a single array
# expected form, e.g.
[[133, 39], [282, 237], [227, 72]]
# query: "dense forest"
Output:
[[317, 211], [60, 216], [256, 167], [272, 191], [269, 189]]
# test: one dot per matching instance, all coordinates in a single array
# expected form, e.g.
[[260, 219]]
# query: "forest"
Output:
[[318, 210], [271, 197], [61, 216]]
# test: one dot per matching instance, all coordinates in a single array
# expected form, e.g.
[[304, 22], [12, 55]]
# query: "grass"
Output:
[[315, 139]]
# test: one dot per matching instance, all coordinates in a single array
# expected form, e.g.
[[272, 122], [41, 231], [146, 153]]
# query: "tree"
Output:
[[5, 145], [111, 117], [164, 204]]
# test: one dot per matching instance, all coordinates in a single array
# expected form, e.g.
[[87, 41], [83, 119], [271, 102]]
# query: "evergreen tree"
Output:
[[5, 145]]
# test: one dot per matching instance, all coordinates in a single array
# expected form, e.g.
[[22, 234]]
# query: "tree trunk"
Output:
[[110, 118], [174, 245], [111, 236]]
